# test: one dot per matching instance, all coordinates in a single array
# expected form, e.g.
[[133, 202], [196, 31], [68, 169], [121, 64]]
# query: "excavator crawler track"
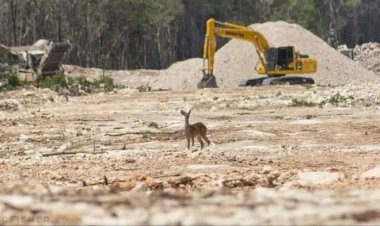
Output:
[[283, 80]]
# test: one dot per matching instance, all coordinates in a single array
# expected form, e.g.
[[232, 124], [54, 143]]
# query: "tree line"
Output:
[[131, 34]]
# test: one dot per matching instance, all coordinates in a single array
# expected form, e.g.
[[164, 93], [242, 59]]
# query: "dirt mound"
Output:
[[181, 75], [368, 55], [236, 61], [129, 78]]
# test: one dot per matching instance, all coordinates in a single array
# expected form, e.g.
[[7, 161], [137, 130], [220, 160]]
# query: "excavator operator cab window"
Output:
[[285, 57], [272, 59]]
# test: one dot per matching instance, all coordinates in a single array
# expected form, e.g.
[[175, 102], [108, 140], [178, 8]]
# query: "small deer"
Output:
[[198, 130]]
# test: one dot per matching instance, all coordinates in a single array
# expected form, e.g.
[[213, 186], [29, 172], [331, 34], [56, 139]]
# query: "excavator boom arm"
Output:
[[228, 30]]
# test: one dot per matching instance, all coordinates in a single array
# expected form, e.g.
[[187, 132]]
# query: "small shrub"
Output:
[[107, 82], [83, 81], [335, 100], [302, 103], [51, 81], [13, 80], [262, 97], [104, 83], [153, 125]]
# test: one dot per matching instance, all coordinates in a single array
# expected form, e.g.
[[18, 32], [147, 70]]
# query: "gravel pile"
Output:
[[236, 62], [181, 75], [368, 55]]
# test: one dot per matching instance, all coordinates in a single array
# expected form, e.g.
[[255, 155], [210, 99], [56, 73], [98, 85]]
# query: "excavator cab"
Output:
[[280, 62], [280, 58], [285, 57]]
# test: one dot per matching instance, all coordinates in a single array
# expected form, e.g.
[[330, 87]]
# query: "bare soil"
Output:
[[121, 157]]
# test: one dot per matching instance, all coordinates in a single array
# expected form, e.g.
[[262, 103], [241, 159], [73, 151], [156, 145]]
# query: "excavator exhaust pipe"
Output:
[[208, 81]]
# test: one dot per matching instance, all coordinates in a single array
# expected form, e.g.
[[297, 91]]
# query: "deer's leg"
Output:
[[205, 138], [200, 141], [188, 143], [192, 140]]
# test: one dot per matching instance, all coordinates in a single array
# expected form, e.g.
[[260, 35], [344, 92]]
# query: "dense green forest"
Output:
[[130, 34]]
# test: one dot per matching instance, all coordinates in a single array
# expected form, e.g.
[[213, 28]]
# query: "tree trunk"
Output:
[[13, 4]]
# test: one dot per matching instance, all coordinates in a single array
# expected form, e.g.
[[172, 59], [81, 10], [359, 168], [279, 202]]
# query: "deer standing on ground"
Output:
[[198, 130]]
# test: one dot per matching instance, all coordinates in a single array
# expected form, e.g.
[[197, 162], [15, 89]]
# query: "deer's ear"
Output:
[[183, 112], [190, 110]]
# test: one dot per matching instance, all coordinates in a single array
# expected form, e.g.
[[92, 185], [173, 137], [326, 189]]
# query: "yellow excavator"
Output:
[[274, 62]]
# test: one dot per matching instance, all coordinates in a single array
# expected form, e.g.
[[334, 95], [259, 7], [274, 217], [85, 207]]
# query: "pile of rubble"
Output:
[[368, 55]]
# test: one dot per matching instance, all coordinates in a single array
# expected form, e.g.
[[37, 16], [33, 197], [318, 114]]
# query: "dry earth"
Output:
[[120, 157]]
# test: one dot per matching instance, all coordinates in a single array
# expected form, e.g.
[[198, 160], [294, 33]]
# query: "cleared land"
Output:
[[279, 155]]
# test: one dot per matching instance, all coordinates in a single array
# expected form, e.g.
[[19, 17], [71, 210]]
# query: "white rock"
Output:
[[267, 169], [23, 138], [199, 168], [17, 200], [140, 187], [318, 178], [213, 108], [64, 147], [372, 173]]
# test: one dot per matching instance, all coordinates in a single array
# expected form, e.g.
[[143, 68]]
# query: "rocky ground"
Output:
[[279, 155], [368, 55]]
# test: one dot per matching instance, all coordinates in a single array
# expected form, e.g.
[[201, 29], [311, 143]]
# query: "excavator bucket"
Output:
[[52, 59], [208, 81], [33, 62]]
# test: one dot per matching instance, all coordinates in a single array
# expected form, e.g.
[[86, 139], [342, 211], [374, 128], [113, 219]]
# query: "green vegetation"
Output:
[[153, 125], [262, 97], [13, 80], [83, 81], [103, 84], [51, 81], [10, 82], [336, 99], [302, 103]]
